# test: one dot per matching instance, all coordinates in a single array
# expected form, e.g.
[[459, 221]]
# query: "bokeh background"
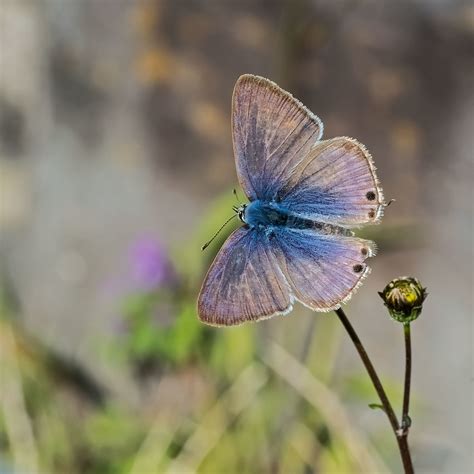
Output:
[[116, 166]]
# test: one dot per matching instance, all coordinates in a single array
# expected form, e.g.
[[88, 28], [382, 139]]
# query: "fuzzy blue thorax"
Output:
[[264, 214]]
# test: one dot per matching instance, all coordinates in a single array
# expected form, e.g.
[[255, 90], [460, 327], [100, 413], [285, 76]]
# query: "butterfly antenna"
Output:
[[234, 191], [204, 247], [390, 202]]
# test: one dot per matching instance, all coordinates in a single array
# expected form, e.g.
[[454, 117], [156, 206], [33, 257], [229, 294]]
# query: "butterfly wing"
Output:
[[244, 283], [322, 271], [272, 133], [335, 183]]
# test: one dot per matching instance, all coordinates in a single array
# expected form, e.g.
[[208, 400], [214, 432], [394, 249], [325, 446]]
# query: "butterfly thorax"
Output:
[[265, 215]]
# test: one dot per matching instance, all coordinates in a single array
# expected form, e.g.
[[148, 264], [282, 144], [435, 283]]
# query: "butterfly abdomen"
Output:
[[261, 214], [297, 222]]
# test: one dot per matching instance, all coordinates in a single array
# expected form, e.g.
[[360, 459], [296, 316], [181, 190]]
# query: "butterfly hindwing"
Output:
[[244, 282], [335, 183], [272, 133], [321, 270]]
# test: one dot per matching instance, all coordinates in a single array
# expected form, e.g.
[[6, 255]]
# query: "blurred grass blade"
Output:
[[12, 403], [327, 404], [305, 443], [215, 422], [153, 449]]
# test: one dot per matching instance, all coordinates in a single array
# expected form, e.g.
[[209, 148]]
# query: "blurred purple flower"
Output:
[[149, 264]]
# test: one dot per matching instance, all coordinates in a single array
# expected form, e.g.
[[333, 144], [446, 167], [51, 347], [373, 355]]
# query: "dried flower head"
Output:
[[404, 298]]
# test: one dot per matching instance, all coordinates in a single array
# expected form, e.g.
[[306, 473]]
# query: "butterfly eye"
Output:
[[241, 212]]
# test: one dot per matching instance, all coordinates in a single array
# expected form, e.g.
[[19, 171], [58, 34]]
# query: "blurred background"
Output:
[[116, 165]]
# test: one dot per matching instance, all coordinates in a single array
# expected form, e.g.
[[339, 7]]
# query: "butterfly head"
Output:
[[240, 211]]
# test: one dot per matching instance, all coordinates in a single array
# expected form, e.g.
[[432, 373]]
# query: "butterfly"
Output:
[[305, 195]]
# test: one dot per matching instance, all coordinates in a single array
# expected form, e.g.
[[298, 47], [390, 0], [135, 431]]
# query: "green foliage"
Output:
[[376, 406], [183, 372], [360, 389], [189, 258], [233, 350], [110, 439], [148, 340]]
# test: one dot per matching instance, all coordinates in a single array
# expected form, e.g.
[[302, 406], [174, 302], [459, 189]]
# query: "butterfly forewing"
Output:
[[272, 133], [244, 282]]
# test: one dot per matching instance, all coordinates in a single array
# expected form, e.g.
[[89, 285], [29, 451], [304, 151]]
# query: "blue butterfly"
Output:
[[305, 195]]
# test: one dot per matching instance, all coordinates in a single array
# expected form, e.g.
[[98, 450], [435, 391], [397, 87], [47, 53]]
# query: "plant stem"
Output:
[[406, 422], [401, 439]]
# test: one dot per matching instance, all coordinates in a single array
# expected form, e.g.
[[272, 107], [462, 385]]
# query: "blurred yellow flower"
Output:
[[155, 65]]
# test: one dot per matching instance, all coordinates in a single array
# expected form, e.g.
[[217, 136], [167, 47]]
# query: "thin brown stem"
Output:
[[387, 406], [370, 369], [406, 422]]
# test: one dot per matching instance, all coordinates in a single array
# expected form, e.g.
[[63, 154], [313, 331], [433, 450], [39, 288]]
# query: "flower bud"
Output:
[[404, 298]]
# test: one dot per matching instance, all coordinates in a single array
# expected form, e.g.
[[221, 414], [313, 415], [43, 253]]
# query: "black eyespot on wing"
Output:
[[370, 195], [371, 213], [364, 251], [357, 268]]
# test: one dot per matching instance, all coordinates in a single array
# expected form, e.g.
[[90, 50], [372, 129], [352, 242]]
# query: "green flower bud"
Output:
[[404, 298]]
